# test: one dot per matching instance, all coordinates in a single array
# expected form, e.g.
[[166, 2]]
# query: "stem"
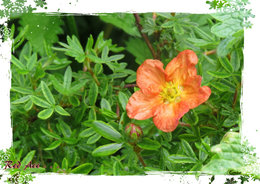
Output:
[[235, 98], [130, 85], [184, 124], [117, 110], [188, 125], [137, 151], [210, 52], [87, 67], [146, 39], [127, 86], [49, 127]]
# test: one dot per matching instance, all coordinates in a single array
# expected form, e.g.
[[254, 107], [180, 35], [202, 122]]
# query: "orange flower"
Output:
[[166, 95]]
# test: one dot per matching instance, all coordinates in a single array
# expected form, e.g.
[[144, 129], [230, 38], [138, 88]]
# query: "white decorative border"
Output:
[[251, 81]]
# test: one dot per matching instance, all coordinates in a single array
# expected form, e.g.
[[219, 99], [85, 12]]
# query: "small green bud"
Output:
[[133, 131]]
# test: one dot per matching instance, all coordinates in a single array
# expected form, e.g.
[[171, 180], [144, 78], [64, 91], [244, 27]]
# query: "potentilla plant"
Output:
[[122, 94]]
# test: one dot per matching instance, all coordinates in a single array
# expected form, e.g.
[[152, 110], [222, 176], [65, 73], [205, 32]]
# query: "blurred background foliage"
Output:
[[72, 76]]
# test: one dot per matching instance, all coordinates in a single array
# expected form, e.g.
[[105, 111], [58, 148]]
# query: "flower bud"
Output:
[[133, 131]]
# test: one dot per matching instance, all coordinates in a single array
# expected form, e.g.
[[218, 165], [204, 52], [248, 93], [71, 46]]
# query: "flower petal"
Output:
[[167, 116], [182, 66], [150, 77], [140, 106], [193, 94]]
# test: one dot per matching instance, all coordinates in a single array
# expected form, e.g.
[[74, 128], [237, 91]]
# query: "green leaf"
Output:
[[175, 158], [73, 49], [57, 85], [65, 164], [131, 78], [219, 86], [74, 101], [196, 167], [203, 34], [149, 144], [22, 90], [53, 145], [89, 44], [65, 129], [45, 114], [219, 74], [191, 117], [47, 93], [92, 114], [228, 155], [40, 102], [27, 159], [93, 139], [105, 104], [41, 29], [115, 57], [83, 169], [98, 68], [70, 140], [117, 75], [225, 46], [116, 169], [138, 48], [28, 105], [235, 60], [228, 25], [178, 29], [61, 111], [104, 54], [168, 24], [124, 21], [17, 63], [50, 134], [72, 155], [67, 78], [108, 113], [32, 62], [87, 132], [107, 131], [93, 93], [106, 150], [123, 99], [187, 149], [21, 100], [188, 137], [75, 88], [165, 15]]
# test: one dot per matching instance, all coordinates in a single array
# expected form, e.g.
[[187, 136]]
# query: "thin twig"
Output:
[[117, 110], [137, 150], [127, 86], [130, 85], [184, 124], [188, 125], [234, 99], [146, 39], [210, 52], [87, 67]]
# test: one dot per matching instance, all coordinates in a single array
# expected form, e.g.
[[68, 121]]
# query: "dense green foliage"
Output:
[[72, 78]]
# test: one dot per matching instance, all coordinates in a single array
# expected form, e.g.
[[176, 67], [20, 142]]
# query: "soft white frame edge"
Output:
[[250, 125]]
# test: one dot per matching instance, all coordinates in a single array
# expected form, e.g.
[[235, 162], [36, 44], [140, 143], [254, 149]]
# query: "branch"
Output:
[[210, 52], [87, 67], [188, 125], [140, 28], [235, 99], [137, 150]]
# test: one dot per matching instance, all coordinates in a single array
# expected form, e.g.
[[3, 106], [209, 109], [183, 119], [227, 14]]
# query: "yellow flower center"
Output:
[[171, 92]]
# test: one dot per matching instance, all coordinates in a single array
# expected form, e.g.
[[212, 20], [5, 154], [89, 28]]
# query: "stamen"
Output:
[[171, 93]]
